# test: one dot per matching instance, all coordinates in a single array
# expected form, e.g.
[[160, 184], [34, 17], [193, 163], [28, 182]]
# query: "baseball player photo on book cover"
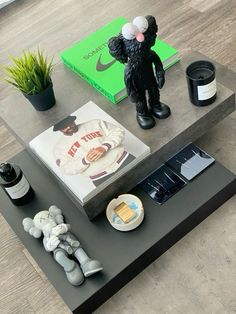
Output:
[[88, 150]]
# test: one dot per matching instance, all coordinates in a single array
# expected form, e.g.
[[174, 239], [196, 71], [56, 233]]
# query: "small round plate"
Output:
[[134, 203]]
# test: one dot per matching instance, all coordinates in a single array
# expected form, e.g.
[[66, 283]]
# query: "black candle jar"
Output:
[[201, 82]]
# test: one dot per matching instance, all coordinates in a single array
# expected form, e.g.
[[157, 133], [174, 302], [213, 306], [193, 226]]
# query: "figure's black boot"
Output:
[[145, 121], [144, 118], [160, 111]]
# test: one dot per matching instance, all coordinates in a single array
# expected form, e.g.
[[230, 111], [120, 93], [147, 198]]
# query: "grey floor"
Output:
[[198, 274]]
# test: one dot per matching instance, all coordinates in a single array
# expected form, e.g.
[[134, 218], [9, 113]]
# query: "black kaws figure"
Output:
[[133, 47]]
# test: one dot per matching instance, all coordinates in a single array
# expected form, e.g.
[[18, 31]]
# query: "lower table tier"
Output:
[[123, 255]]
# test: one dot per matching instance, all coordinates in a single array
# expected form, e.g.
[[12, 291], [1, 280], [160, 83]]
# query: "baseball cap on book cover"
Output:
[[64, 123]]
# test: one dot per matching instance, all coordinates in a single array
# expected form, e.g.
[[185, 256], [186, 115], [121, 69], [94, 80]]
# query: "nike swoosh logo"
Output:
[[103, 67]]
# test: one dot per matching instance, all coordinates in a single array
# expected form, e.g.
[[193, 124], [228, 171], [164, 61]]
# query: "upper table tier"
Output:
[[186, 123], [72, 92]]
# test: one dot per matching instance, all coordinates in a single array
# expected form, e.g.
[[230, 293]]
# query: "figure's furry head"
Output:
[[135, 39]]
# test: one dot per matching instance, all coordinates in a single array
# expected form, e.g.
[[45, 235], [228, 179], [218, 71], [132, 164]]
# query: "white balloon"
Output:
[[141, 23], [129, 31]]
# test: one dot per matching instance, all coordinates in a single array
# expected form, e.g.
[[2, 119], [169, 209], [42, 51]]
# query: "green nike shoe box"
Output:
[[91, 60]]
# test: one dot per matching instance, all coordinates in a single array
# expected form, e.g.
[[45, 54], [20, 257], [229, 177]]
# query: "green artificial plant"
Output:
[[31, 73]]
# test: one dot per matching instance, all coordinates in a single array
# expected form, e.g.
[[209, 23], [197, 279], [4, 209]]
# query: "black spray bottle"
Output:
[[15, 184]]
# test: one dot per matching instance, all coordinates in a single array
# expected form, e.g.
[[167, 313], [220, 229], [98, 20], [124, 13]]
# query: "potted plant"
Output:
[[31, 74]]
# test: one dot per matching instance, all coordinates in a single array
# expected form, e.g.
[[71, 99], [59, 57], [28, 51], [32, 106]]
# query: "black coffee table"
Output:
[[123, 255]]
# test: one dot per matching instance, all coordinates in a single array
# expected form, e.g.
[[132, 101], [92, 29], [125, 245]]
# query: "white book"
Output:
[[88, 150]]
